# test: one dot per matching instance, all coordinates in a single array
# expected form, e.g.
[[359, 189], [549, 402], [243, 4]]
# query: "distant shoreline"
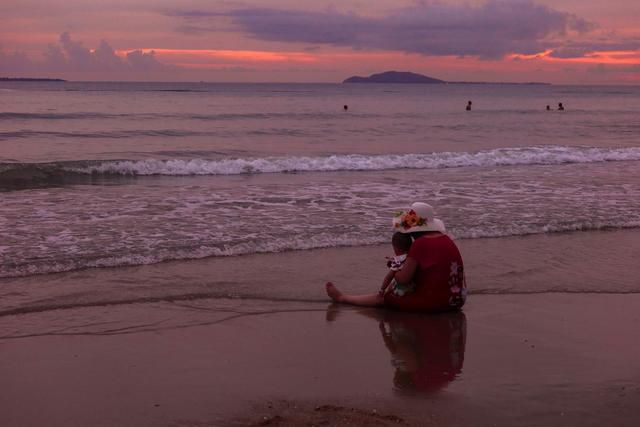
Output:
[[29, 79]]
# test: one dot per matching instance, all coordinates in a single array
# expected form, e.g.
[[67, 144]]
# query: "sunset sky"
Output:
[[557, 41]]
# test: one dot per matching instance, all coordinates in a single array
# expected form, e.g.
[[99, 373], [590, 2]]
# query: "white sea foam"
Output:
[[545, 155], [281, 245], [198, 252]]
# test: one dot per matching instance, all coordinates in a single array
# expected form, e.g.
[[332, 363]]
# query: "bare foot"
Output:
[[333, 292]]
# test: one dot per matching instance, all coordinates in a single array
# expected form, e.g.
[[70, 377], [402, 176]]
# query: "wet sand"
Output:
[[549, 359], [253, 341]]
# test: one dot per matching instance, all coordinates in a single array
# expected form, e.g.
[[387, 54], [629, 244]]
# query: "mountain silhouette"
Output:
[[394, 77]]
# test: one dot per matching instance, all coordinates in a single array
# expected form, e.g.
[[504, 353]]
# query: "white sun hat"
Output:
[[419, 217]]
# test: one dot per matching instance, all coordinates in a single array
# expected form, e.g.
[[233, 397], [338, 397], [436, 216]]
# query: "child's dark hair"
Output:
[[401, 241]]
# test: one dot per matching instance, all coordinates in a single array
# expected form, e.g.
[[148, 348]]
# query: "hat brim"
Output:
[[434, 225]]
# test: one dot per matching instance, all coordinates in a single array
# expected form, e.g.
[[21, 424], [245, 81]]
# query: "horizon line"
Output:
[[62, 80]]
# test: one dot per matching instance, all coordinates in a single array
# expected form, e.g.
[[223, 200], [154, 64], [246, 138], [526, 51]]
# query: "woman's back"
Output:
[[439, 277]]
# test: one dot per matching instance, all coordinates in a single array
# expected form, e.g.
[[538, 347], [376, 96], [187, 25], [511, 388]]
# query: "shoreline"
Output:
[[506, 359], [533, 264]]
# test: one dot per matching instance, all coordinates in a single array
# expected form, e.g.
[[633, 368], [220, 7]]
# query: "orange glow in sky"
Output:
[[200, 56], [598, 57]]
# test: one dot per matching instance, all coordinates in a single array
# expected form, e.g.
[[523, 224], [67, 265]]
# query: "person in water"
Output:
[[548, 108], [433, 263], [468, 106], [560, 106]]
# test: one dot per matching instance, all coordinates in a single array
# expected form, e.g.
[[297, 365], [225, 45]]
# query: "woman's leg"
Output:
[[367, 300]]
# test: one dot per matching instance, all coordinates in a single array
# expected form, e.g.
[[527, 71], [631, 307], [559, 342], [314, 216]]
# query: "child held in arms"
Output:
[[401, 244]]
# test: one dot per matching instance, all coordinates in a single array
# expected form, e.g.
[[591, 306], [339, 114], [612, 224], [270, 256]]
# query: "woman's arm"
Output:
[[405, 275]]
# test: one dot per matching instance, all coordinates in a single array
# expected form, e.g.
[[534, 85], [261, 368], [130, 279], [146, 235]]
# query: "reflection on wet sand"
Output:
[[427, 350]]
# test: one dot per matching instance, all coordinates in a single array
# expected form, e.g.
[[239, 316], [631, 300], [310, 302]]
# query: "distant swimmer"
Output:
[[346, 107], [469, 106], [548, 108], [560, 106]]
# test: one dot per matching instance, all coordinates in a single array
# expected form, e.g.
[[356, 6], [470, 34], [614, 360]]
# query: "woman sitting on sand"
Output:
[[433, 263]]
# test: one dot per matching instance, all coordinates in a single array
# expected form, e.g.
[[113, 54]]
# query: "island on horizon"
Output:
[[394, 77], [29, 79], [415, 78]]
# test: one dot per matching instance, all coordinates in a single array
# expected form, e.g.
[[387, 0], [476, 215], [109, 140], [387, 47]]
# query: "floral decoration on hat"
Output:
[[410, 219], [419, 217]]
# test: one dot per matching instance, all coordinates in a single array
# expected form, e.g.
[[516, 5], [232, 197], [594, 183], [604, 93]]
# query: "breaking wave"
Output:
[[19, 175], [550, 155]]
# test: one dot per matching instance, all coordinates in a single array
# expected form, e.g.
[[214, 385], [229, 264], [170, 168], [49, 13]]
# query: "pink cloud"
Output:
[[69, 55]]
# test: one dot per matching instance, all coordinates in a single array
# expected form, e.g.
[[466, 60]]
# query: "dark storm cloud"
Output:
[[491, 30]]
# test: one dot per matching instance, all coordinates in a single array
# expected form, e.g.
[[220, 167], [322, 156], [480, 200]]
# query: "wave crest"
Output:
[[548, 155]]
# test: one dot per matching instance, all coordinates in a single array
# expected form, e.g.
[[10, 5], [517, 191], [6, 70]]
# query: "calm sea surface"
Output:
[[119, 174]]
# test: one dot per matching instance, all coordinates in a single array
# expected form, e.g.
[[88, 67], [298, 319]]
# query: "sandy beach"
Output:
[[525, 360], [199, 358]]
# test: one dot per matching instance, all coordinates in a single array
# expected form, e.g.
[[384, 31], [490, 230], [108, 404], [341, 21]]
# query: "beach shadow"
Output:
[[427, 350]]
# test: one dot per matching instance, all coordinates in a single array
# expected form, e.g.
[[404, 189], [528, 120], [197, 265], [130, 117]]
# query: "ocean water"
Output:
[[108, 175]]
